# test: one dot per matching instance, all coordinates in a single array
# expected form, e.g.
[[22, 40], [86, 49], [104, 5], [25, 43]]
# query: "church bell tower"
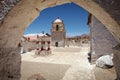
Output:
[[58, 33]]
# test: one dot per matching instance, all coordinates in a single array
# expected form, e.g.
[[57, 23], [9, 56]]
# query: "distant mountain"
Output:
[[83, 35]]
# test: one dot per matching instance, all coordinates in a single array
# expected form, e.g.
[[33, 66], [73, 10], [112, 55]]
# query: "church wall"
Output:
[[58, 37]]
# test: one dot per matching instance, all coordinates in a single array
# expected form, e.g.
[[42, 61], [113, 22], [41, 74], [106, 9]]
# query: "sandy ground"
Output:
[[63, 64]]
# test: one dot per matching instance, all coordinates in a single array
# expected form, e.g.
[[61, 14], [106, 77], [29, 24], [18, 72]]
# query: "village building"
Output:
[[39, 42], [58, 33]]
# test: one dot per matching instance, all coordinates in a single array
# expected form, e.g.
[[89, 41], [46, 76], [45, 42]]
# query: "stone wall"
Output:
[[10, 59], [104, 43], [10, 63], [102, 39], [5, 7], [112, 7], [58, 37], [29, 45]]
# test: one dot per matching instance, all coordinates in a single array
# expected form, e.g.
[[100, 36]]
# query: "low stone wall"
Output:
[[28, 46]]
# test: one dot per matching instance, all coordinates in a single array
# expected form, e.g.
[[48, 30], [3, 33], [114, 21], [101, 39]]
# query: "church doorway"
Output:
[[56, 44]]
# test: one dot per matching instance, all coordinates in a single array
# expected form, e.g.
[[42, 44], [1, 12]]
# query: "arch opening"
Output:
[[66, 23], [56, 43]]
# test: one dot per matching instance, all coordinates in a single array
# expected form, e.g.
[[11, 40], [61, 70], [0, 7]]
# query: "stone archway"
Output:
[[21, 15]]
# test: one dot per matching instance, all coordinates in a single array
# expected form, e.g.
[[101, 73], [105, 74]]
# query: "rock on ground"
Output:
[[105, 61]]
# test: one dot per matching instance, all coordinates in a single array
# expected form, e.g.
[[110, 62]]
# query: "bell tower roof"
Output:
[[57, 20]]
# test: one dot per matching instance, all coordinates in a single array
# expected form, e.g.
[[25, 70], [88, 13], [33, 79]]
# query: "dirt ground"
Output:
[[69, 63], [104, 74]]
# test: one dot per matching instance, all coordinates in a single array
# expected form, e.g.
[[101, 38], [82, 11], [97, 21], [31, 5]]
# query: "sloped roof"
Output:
[[40, 34]]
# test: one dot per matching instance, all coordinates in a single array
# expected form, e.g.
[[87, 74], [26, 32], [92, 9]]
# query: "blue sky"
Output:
[[74, 17]]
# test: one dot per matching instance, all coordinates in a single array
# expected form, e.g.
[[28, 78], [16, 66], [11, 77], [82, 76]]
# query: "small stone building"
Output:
[[58, 33]]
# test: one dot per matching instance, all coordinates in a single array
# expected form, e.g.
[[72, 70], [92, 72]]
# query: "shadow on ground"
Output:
[[46, 70]]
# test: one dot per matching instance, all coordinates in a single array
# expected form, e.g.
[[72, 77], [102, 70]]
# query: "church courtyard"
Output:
[[69, 63]]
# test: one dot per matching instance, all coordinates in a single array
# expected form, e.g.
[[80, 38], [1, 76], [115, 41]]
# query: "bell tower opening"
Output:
[[57, 27]]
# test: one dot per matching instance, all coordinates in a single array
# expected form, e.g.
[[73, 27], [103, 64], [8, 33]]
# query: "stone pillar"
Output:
[[116, 60], [10, 63]]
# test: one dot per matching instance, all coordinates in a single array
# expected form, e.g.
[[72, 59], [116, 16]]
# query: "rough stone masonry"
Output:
[[5, 7]]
